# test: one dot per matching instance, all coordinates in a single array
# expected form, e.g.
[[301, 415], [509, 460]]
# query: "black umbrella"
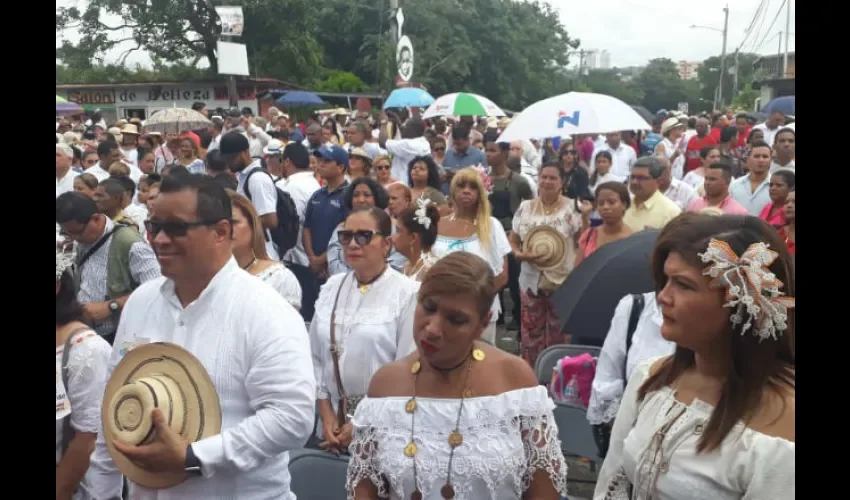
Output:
[[587, 299], [644, 113]]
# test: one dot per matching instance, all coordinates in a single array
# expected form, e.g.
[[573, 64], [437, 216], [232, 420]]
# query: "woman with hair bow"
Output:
[[416, 232], [716, 419]]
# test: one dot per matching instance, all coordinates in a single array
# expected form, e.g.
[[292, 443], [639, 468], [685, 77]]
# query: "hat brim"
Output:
[[202, 406]]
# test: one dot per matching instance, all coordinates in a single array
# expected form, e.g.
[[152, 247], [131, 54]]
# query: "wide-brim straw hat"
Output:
[[549, 244], [164, 376]]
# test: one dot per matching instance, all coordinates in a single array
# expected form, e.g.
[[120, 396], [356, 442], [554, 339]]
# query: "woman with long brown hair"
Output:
[[249, 250], [716, 419]]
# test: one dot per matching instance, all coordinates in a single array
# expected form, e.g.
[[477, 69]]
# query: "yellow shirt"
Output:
[[654, 213]]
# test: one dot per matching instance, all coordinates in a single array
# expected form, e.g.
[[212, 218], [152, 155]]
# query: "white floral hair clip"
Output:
[[421, 212], [751, 288], [63, 261]]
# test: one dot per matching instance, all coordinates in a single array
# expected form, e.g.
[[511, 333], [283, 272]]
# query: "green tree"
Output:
[[609, 82], [340, 81], [662, 85], [746, 98], [708, 75]]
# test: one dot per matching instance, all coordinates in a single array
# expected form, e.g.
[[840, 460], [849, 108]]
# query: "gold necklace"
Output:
[[455, 437], [549, 209], [415, 269]]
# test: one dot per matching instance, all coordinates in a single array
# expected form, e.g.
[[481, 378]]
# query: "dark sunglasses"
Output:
[[174, 229], [570, 152], [382, 167], [362, 238]]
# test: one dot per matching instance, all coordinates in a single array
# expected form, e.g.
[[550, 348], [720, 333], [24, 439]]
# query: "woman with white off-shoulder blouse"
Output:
[[714, 421]]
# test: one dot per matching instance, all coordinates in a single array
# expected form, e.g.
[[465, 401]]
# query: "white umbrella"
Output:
[[176, 121], [463, 104], [573, 113]]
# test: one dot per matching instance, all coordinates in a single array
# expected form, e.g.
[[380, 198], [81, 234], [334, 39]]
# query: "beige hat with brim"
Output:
[[549, 243], [168, 377]]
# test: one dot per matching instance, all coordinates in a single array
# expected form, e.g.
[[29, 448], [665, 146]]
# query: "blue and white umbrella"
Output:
[[786, 105], [408, 97], [573, 113]]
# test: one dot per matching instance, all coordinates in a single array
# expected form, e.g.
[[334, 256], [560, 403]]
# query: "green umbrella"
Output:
[[64, 107], [463, 104]]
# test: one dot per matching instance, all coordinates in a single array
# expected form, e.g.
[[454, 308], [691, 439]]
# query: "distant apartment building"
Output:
[[596, 59], [688, 69], [604, 59]]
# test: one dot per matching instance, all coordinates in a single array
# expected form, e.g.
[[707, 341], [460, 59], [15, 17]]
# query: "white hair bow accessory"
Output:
[[421, 212], [63, 261], [751, 288]]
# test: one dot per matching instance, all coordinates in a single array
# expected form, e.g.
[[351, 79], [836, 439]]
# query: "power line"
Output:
[[761, 25], [778, 12], [749, 30]]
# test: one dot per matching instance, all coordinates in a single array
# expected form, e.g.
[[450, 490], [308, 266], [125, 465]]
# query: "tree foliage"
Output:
[[708, 75], [511, 51]]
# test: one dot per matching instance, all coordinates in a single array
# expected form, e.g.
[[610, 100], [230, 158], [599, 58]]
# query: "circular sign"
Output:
[[404, 58]]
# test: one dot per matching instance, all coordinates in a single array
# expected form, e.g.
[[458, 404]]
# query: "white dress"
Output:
[[281, 279], [506, 438], [748, 465], [372, 328], [87, 364]]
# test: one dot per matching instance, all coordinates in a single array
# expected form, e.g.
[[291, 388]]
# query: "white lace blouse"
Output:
[[281, 279], [372, 328], [506, 438], [87, 364], [748, 465]]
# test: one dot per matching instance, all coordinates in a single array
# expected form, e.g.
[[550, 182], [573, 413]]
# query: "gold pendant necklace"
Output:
[[455, 438]]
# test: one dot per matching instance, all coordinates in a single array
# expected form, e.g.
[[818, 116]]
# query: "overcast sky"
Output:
[[634, 31]]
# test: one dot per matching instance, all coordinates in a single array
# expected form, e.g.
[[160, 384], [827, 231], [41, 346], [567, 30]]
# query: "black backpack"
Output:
[[285, 235]]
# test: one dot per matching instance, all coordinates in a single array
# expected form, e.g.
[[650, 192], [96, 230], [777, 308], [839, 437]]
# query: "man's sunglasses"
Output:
[[382, 167], [362, 238], [174, 229]]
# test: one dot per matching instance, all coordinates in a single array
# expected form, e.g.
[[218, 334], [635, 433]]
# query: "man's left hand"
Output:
[[167, 452], [95, 312]]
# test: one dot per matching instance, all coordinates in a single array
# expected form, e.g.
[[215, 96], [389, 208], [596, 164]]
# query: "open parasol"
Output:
[[65, 108], [176, 121]]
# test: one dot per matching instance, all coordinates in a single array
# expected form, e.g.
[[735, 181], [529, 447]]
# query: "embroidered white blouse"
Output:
[[647, 343], [281, 279], [373, 328], [256, 350], [748, 465], [506, 438], [87, 362]]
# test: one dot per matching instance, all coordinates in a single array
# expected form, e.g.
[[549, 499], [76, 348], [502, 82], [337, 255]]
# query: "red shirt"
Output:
[[715, 133], [695, 145], [741, 145]]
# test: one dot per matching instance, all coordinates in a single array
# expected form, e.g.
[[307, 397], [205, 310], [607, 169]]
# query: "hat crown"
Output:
[[131, 405]]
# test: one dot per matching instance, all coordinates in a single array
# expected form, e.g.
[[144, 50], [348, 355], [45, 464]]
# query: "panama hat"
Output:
[[168, 377], [549, 244]]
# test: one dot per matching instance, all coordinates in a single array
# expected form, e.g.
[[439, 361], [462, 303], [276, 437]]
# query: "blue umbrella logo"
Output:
[[564, 118]]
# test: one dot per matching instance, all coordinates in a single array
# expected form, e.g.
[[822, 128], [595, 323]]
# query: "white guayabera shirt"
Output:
[[254, 346]]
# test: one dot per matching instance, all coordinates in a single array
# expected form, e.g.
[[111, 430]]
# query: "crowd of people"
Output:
[[389, 244]]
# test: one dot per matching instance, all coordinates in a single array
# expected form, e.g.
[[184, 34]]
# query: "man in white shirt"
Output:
[[412, 144], [784, 149], [251, 341], [771, 126], [752, 191], [108, 153], [356, 134], [235, 151], [64, 175], [679, 192], [623, 156]]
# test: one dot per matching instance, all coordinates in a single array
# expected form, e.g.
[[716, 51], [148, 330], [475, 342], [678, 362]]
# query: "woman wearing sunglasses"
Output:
[[363, 192], [471, 229], [363, 320], [577, 181], [383, 171], [249, 250]]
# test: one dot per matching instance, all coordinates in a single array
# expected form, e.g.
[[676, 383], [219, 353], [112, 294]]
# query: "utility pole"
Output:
[[723, 55], [737, 70], [787, 31], [780, 71]]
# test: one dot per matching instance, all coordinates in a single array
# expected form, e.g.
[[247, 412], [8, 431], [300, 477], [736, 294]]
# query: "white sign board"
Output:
[[683, 107], [232, 59], [232, 20], [404, 58]]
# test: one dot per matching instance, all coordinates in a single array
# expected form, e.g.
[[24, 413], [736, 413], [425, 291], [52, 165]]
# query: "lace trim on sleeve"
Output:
[[363, 463], [543, 451], [618, 487]]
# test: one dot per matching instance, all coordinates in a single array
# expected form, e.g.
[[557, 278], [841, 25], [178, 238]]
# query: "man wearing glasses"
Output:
[[112, 260], [650, 209], [252, 342]]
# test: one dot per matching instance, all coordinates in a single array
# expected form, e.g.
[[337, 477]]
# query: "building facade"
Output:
[[688, 69]]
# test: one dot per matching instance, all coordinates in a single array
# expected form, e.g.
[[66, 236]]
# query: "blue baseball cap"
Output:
[[333, 152]]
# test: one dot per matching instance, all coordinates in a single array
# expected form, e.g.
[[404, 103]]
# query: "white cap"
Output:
[[65, 149], [273, 147]]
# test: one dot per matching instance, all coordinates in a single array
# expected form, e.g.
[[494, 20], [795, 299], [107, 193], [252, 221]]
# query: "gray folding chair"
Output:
[[547, 359], [575, 433], [317, 474]]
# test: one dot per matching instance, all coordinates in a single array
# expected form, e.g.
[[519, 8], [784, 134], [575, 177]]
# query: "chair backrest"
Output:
[[547, 359], [575, 432], [317, 474]]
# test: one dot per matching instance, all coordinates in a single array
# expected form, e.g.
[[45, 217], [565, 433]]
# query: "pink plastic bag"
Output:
[[572, 379]]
